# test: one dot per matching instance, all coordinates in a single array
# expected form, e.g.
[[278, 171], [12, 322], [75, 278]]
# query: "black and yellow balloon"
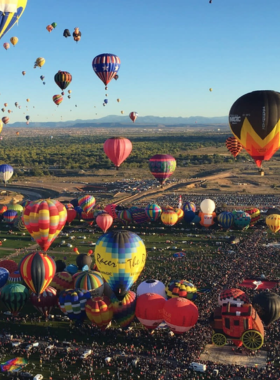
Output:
[[10, 12], [255, 121]]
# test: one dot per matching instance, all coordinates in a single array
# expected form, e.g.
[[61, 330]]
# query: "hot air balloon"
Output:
[[106, 101], [23, 72], [47, 301], [125, 217], [91, 281], [17, 133], [233, 146], [225, 219], [57, 99], [116, 77], [151, 286], [120, 257], [267, 305], [83, 259], [6, 45], [149, 310], [5, 120], [1, 126], [60, 266], [181, 288], [207, 206], [44, 219], [61, 281], [122, 112], [72, 303], [86, 202], [42, 77], [241, 220], [139, 215], [153, 211], [273, 222], [66, 33], [10, 12], [254, 213], [3, 109], [27, 117], [10, 216], [15, 277], [117, 149], [133, 116], [49, 28], [69, 97], [63, 79], [10, 265], [37, 271], [99, 311], [169, 218], [54, 24], [233, 296], [77, 34], [14, 40], [104, 221], [124, 310], [6, 172], [254, 120], [71, 215], [39, 62], [180, 314], [210, 89], [118, 100], [4, 275], [162, 166], [106, 67], [14, 297]]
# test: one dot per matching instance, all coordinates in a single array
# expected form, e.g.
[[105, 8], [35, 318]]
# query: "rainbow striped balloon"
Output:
[[124, 310], [44, 219], [87, 203], [91, 281], [99, 311], [57, 99], [153, 211]]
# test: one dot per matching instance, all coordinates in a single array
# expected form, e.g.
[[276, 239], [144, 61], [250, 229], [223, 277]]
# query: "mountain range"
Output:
[[115, 121]]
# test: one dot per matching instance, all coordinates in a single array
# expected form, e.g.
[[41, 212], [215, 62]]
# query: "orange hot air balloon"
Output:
[[44, 219], [62, 281], [23, 72], [169, 217], [49, 28], [5, 120], [99, 311], [5, 104], [233, 146], [180, 314], [37, 270], [117, 149], [14, 40], [104, 221], [57, 99], [149, 310]]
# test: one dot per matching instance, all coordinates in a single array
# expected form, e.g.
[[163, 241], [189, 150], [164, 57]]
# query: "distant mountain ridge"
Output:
[[116, 121]]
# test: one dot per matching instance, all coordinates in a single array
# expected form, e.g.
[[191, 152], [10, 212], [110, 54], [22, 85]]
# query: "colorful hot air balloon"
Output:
[[14, 40], [153, 211], [57, 99], [77, 34], [181, 288], [233, 296], [54, 24], [91, 281], [15, 277], [180, 314], [99, 311], [133, 116], [233, 146], [39, 62], [149, 310], [139, 215], [6, 45], [86, 202], [10, 216], [63, 79], [6, 172], [37, 271], [111, 210], [47, 301], [72, 303], [225, 219], [254, 213], [254, 120], [44, 219], [104, 221], [273, 222], [241, 220], [124, 310], [169, 218], [10, 12], [106, 67], [120, 257], [162, 166], [4, 275], [117, 149], [14, 297], [61, 281], [10, 265], [5, 120]]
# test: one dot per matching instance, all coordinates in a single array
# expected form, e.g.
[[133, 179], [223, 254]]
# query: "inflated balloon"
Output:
[[91, 281], [153, 211], [233, 296], [149, 310], [125, 217], [267, 305], [241, 220], [106, 101], [226, 219], [111, 209], [14, 40], [104, 221], [169, 218], [23, 72], [6, 45], [4, 275], [189, 216], [3, 208], [207, 206], [5, 120], [207, 220], [86, 202], [54, 24], [124, 310], [273, 222], [233, 146], [151, 286], [106, 67], [10, 216], [15, 206], [120, 257], [162, 166], [83, 259], [88, 216], [47, 301], [180, 214], [10, 13], [6, 172], [180, 314], [62, 281], [99, 311], [57, 99], [10, 265], [39, 62], [63, 79], [254, 120], [37, 271], [77, 34], [14, 297], [44, 220], [66, 33], [71, 215], [133, 116], [72, 303], [189, 206], [49, 28], [254, 213], [139, 216], [181, 288], [117, 149], [15, 277]]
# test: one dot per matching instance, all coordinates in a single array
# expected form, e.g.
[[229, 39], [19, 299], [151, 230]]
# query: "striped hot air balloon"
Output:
[[272, 221], [233, 146], [57, 99], [10, 216], [10, 12], [14, 297], [99, 311], [86, 202], [124, 310], [37, 271], [226, 219], [106, 67], [169, 218], [153, 211], [48, 300], [162, 166], [254, 213], [6, 172], [63, 79], [104, 221], [62, 280], [181, 288], [44, 219], [72, 303], [91, 281]]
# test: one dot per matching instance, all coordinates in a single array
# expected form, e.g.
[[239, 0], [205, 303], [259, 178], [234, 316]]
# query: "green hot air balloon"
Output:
[[241, 220], [267, 305], [54, 25], [14, 297]]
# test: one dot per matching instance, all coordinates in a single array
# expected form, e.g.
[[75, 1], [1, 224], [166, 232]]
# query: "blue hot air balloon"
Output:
[[153, 211], [4, 275], [106, 101], [10, 12], [72, 303], [225, 219], [10, 216], [6, 172], [189, 216], [106, 67]]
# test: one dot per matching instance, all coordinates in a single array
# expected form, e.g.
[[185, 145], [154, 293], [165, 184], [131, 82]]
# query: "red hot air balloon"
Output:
[[104, 221], [180, 314], [99, 311], [57, 99], [71, 215], [149, 310], [5, 120], [62, 281], [233, 146], [133, 116], [111, 210], [47, 301], [117, 149], [10, 265]]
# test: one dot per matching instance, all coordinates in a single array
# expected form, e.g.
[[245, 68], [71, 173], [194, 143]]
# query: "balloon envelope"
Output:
[[117, 149], [162, 166]]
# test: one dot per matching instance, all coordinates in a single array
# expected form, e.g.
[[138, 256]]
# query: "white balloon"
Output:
[[151, 286], [207, 206]]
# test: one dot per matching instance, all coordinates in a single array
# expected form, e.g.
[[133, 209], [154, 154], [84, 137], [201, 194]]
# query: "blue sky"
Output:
[[171, 53]]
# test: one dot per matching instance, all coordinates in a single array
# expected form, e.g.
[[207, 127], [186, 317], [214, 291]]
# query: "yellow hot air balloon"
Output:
[[210, 89], [169, 217], [1, 126], [10, 13], [39, 62], [28, 100], [14, 40], [69, 91], [118, 100], [122, 112], [273, 222]]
